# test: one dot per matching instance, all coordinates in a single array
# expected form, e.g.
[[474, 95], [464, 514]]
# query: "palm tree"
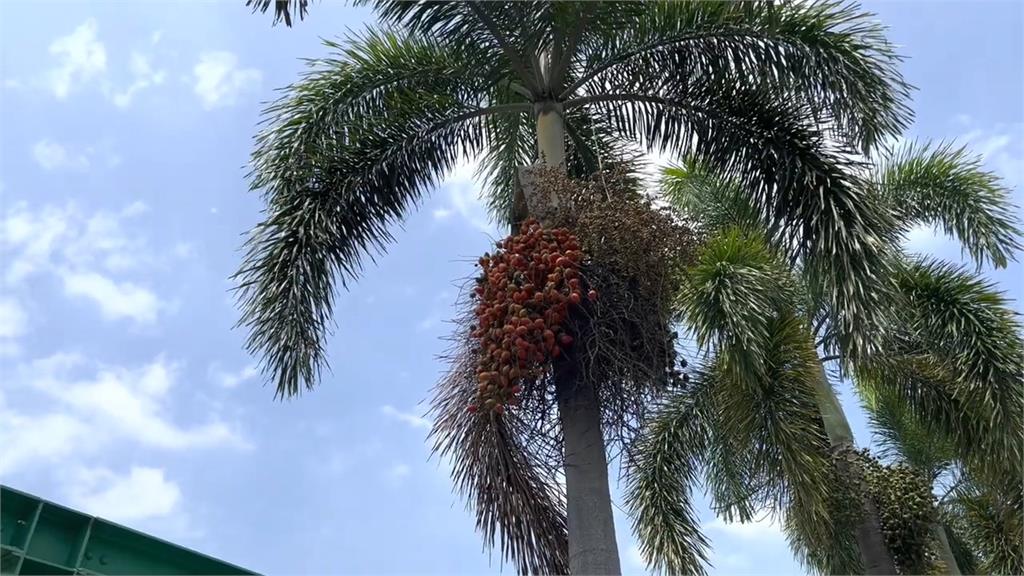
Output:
[[978, 530], [762, 416], [775, 95]]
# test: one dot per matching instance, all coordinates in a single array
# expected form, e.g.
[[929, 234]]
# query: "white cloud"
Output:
[[183, 250], [86, 252], [13, 323], [81, 57], [143, 76], [30, 440], [91, 406], [219, 80], [53, 155], [12, 318], [116, 300], [406, 417], [398, 471], [144, 493], [428, 323], [464, 199], [233, 379]]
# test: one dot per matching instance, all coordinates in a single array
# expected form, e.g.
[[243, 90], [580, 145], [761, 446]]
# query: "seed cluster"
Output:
[[524, 292], [906, 509]]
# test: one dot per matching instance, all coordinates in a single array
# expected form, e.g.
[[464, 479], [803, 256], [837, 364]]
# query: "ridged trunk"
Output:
[[874, 553], [593, 549]]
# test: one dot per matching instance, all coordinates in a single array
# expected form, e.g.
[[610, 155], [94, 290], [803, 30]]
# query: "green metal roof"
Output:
[[40, 537]]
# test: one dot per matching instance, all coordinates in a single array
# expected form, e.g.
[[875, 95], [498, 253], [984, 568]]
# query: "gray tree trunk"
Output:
[[944, 549], [592, 546], [874, 553]]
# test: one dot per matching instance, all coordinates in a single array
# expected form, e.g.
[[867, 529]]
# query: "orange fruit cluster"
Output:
[[524, 293]]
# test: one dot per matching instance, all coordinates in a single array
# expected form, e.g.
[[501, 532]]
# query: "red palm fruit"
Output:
[[565, 339], [574, 284], [556, 352], [549, 336], [562, 262], [472, 408], [574, 297], [506, 356], [592, 295], [538, 324], [521, 331], [517, 389], [499, 408]]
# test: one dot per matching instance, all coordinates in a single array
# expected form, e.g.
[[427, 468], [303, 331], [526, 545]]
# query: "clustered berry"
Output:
[[524, 294]]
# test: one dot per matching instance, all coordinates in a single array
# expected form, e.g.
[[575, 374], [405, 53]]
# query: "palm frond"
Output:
[[710, 201], [780, 419], [345, 153], [513, 144], [900, 435], [660, 481], [831, 56], [809, 194], [738, 300], [729, 297], [967, 324], [945, 186], [993, 526], [515, 30], [284, 10], [514, 494]]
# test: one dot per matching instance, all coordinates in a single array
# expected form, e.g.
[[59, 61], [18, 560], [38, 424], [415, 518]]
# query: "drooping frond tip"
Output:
[[283, 9], [948, 187]]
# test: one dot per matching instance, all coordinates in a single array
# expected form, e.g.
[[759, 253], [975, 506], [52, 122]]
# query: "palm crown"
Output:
[[760, 418], [777, 96]]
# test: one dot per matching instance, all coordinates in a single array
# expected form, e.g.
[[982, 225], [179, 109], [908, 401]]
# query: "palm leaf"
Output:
[[513, 492], [347, 151], [829, 55], [284, 10], [966, 323], [660, 480], [947, 187]]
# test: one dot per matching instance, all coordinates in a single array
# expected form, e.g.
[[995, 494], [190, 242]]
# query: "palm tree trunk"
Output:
[[874, 553], [945, 551], [592, 545]]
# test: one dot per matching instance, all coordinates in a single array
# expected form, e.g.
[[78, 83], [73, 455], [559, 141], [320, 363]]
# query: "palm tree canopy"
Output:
[[774, 95], [944, 388]]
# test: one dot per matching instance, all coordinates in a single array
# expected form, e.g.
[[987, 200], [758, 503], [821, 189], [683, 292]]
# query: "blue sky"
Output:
[[124, 132]]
